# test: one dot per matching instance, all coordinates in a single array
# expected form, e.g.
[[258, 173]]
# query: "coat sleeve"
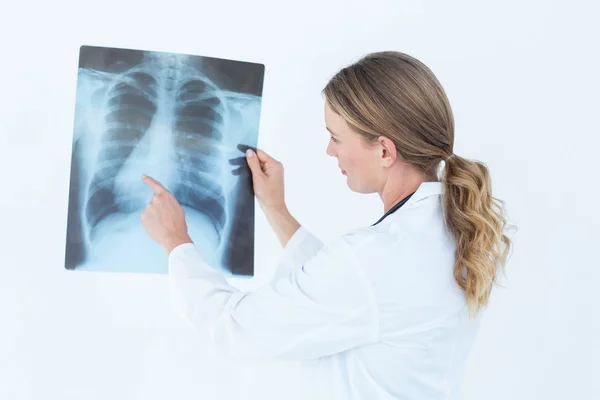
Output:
[[323, 307], [301, 247]]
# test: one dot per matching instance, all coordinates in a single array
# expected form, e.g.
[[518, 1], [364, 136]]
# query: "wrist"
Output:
[[282, 222], [279, 209], [171, 242]]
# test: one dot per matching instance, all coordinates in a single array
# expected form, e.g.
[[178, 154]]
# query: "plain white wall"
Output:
[[522, 77]]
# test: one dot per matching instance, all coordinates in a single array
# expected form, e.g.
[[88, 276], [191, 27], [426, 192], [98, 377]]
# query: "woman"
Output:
[[388, 311]]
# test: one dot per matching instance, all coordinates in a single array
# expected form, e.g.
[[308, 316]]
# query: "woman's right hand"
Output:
[[267, 179]]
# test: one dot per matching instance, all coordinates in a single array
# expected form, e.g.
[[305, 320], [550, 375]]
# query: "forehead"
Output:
[[334, 122]]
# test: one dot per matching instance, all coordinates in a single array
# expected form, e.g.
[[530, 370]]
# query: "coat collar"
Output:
[[426, 189]]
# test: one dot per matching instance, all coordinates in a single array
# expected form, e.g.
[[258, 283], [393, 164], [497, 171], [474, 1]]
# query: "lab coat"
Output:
[[372, 314]]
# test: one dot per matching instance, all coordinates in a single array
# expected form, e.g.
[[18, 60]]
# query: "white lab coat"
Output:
[[373, 314]]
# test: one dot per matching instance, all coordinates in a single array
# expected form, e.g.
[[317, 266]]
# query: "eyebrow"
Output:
[[331, 131]]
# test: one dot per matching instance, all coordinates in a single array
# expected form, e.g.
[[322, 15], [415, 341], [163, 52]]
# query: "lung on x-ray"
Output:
[[186, 121]]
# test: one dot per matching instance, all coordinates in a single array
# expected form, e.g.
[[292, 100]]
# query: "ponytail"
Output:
[[475, 219]]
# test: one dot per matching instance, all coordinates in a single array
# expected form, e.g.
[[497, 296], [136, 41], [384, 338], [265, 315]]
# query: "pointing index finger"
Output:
[[153, 184]]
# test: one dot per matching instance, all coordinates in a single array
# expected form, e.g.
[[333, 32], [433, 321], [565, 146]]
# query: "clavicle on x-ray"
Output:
[[184, 120]]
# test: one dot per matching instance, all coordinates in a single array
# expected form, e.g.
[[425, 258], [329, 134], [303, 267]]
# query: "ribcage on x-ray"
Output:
[[197, 134], [130, 107], [185, 120], [192, 115]]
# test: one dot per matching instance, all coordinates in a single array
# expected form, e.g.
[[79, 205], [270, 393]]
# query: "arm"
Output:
[[299, 245], [320, 309], [282, 222]]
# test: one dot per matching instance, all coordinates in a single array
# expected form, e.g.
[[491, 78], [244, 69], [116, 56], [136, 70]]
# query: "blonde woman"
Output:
[[387, 311]]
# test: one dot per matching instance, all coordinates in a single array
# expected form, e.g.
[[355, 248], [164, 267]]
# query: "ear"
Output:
[[388, 151]]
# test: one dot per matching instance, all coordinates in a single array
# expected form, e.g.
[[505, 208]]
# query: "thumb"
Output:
[[254, 164], [263, 156]]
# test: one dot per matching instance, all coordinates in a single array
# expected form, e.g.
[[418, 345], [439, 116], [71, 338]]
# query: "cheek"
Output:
[[346, 161], [361, 166], [355, 160], [347, 152]]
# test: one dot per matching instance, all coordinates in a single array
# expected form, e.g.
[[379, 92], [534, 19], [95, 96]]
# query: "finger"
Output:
[[254, 164], [264, 157], [145, 214], [156, 187], [244, 147]]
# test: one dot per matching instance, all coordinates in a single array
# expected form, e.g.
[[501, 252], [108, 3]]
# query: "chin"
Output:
[[358, 188]]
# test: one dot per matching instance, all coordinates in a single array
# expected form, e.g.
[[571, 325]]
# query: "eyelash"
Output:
[[334, 139]]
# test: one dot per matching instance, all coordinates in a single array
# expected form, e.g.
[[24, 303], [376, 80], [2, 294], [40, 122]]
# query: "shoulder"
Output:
[[363, 238], [411, 236], [406, 223], [410, 232]]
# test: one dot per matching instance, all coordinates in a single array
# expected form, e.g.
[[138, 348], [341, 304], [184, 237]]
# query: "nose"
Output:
[[329, 150]]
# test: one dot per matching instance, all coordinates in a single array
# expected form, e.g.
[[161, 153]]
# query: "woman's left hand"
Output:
[[164, 218]]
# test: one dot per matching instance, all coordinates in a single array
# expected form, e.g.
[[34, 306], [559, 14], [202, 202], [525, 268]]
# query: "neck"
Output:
[[398, 185]]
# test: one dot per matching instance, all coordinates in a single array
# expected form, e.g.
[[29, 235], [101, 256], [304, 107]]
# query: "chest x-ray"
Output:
[[184, 120]]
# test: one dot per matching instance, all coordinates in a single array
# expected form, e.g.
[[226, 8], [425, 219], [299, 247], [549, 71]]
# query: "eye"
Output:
[[334, 139]]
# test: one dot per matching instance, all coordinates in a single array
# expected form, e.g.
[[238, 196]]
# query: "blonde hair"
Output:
[[395, 95]]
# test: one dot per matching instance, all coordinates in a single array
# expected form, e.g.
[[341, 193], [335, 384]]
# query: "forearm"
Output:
[[282, 222]]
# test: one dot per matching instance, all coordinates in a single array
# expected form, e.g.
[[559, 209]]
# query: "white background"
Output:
[[522, 78]]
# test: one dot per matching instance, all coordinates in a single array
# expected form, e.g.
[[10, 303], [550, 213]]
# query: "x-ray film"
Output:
[[186, 121]]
